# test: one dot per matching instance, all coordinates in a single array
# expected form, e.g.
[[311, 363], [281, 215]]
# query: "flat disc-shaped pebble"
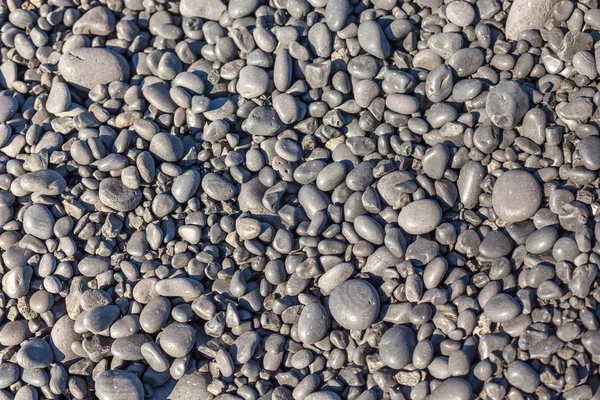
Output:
[[516, 196], [396, 347], [8, 107], [520, 375], [177, 339], [119, 385], [313, 323], [86, 68], [217, 188], [354, 304], [420, 217], [502, 308], [252, 82], [38, 222], [35, 353], [166, 147], [589, 151]]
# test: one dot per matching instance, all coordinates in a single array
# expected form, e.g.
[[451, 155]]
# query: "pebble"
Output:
[[502, 308], [522, 376], [313, 323], [397, 346], [516, 196], [506, 104], [85, 68], [116, 384], [354, 304], [38, 222], [420, 217]]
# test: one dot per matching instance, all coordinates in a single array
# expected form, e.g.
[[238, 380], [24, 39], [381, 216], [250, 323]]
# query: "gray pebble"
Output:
[[516, 196], [397, 346], [118, 385], [313, 323], [420, 217], [502, 308], [354, 304]]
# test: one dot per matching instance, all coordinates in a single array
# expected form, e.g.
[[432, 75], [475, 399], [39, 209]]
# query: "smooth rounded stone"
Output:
[[420, 217], [209, 9], [502, 308], [313, 323], [61, 338], [166, 147], [369, 229], [35, 353], [589, 151], [85, 68], [396, 347], [113, 193], [541, 240], [495, 245], [15, 282], [466, 61], [244, 346], [217, 188], [372, 39], [520, 375], [252, 82], [516, 196], [177, 339], [335, 277], [452, 389], [330, 176], [13, 333], [155, 314], [92, 266], [129, 347], [506, 105], [162, 205], [125, 326], [41, 301], [354, 304], [38, 222], [44, 182], [158, 94], [527, 15], [460, 13], [402, 103], [336, 13], [98, 21], [118, 385], [179, 287], [470, 177], [8, 107], [435, 161], [9, 374], [287, 108]]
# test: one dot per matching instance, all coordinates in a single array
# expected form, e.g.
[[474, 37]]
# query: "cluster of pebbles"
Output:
[[299, 199]]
